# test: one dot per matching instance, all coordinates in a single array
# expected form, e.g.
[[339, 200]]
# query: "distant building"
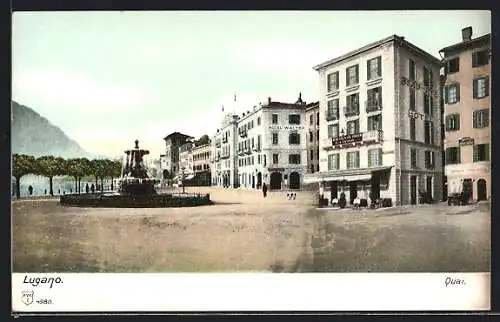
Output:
[[380, 123], [171, 160], [467, 108], [201, 164], [225, 170], [186, 164], [312, 119]]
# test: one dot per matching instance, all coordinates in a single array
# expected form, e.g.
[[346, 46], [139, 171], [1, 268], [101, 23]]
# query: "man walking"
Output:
[[264, 189]]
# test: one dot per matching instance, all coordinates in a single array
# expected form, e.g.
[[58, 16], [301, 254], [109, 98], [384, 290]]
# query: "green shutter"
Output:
[[457, 117], [446, 94], [487, 85], [458, 92], [368, 69], [379, 65], [369, 158], [486, 152], [459, 157], [380, 157], [357, 159], [474, 119], [347, 160], [474, 88], [347, 76], [357, 74], [474, 59], [337, 161], [475, 153]]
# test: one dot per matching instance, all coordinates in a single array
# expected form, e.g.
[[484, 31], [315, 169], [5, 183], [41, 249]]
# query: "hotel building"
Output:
[[380, 123], [467, 104], [312, 145], [269, 143]]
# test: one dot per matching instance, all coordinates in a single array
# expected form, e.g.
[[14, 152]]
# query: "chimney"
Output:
[[467, 34], [269, 100]]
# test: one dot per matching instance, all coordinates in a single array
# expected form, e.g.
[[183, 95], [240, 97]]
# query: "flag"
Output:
[[235, 97], [222, 108]]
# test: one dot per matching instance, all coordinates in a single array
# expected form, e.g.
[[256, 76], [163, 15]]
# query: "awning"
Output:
[[351, 174]]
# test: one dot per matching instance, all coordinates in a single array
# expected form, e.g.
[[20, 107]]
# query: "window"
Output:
[[333, 162], [374, 68], [413, 158], [452, 66], [311, 137], [374, 101], [352, 160], [352, 75], [352, 105], [264, 159], [452, 122], [426, 77], [275, 158], [258, 120], [411, 69], [294, 138], [429, 159], [333, 81], [275, 118], [412, 95], [480, 118], [311, 119], [353, 127], [275, 138], [481, 152], [332, 111], [374, 157], [294, 119], [452, 155], [452, 93], [258, 158], [312, 168], [311, 153], [375, 122], [480, 58], [412, 129], [429, 132], [427, 103], [481, 87], [294, 158], [333, 130]]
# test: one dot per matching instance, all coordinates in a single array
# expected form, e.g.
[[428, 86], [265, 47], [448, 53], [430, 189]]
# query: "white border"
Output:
[[82, 292]]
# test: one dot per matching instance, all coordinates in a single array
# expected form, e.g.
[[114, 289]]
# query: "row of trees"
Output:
[[50, 167]]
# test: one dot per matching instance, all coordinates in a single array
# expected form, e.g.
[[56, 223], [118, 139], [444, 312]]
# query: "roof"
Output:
[[394, 38], [283, 105], [178, 134], [463, 45], [312, 105]]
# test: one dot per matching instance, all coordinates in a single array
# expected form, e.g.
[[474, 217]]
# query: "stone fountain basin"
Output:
[[123, 200]]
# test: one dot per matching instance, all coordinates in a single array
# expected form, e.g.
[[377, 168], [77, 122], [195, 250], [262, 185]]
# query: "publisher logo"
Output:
[[27, 297]]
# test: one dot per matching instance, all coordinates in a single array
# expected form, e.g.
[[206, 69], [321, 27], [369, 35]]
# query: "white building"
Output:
[[380, 125], [186, 164], [270, 146]]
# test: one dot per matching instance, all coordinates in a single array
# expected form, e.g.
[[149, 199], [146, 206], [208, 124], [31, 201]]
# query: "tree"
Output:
[[203, 140], [50, 166], [22, 165], [97, 169], [116, 170], [78, 168]]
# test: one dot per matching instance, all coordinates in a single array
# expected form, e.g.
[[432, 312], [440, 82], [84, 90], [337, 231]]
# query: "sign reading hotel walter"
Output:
[[287, 127], [347, 139]]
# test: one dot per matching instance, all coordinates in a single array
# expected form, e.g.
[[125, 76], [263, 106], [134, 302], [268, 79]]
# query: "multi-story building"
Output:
[[186, 163], [312, 118], [380, 123], [269, 143], [467, 113], [172, 143], [201, 164], [225, 168]]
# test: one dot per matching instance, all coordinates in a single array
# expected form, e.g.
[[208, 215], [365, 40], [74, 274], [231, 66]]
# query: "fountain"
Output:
[[135, 189]]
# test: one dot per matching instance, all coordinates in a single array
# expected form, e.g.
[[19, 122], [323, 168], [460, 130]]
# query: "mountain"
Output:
[[33, 134]]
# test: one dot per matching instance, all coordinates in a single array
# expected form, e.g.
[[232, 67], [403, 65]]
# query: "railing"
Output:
[[373, 136], [373, 105], [332, 116], [256, 148], [242, 133], [351, 110], [248, 150]]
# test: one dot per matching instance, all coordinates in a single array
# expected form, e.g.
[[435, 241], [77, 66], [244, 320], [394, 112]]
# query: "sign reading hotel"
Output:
[[347, 139], [466, 141], [419, 86], [286, 127], [416, 115]]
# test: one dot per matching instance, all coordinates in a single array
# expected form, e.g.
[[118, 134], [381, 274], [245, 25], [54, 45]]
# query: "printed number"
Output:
[[44, 301]]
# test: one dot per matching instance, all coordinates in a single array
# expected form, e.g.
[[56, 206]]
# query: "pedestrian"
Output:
[[92, 188], [30, 190], [86, 188], [45, 192], [58, 191], [264, 189]]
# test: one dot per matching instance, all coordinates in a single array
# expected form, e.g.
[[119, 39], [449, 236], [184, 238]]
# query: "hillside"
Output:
[[34, 135]]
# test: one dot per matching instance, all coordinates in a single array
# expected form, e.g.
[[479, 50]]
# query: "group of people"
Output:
[[290, 195]]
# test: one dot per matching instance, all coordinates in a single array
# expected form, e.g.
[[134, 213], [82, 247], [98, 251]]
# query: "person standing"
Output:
[[264, 190], [30, 190], [86, 188]]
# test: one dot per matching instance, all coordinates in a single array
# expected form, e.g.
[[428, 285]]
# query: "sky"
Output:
[[108, 78]]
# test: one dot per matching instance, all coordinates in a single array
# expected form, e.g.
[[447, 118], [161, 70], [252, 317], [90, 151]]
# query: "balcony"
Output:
[[350, 140], [373, 105], [217, 144], [332, 116], [224, 156], [242, 133], [224, 139], [351, 110], [256, 148], [248, 150], [241, 152]]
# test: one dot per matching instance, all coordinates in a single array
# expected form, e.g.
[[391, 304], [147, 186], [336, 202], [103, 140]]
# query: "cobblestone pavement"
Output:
[[245, 232]]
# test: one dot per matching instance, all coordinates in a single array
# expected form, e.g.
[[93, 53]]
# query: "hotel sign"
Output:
[[286, 127], [416, 115], [347, 139], [419, 86], [466, 141]]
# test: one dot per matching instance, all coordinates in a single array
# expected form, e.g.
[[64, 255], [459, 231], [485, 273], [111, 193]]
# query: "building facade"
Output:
[[467, 105], [171, 158], [269, 146], [312, 119], [380, 123], [202, 165]]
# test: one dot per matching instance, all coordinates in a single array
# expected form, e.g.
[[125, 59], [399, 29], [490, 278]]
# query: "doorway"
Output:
[[375, 185], [294, 180], [413, 190], [259, 180], [353, 191], [481, 190], [275, 180], [467, 188], [334, 189], [428, 186]]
